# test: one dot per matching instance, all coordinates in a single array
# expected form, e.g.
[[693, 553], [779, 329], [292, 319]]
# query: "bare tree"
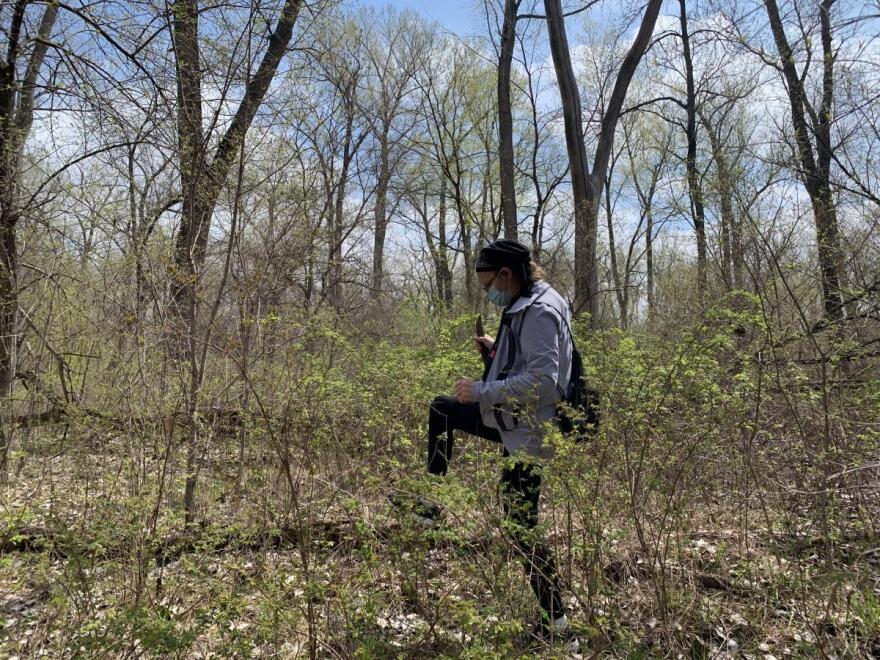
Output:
[[455, 116], [505, 119], [16, 120], [426, 203], [814, 146], [203, 177], [392, 57], [694, 183], [720, 129], [648, 144], [587, 184], [337, 132]]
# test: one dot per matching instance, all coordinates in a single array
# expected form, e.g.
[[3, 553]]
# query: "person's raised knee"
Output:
[[440, 404]]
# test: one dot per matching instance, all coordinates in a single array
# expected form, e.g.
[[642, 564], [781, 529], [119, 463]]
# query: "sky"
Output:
[[459, 16]]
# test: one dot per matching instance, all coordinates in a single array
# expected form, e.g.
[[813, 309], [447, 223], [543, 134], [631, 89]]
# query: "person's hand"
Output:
[[464, 390], [486, 341]]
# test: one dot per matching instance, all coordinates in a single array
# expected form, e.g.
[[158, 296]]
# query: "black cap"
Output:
[[503, 252]]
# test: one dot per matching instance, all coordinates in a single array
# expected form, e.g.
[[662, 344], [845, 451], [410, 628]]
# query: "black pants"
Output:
[[520, 491]]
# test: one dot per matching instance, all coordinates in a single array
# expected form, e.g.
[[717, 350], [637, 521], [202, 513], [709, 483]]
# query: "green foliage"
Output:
[[297, 548]]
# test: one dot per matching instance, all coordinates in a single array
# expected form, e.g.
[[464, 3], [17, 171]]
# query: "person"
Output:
[[527, 371]]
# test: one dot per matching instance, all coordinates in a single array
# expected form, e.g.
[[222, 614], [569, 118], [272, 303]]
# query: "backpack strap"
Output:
[[505, 321]]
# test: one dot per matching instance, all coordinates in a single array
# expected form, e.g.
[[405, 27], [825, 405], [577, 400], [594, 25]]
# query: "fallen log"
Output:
[[224, 421], [332, 534]]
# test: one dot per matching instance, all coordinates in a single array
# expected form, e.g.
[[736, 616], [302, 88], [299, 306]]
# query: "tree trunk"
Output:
[[466, 250], [505, 120], [16, 121], [828, 234], [649, 261], [445, 275], [815, 168], [334, 266], [134, 226], [380, 215], [201, 181], [612, 252], [694, 185], [731, 242], [464, 228], [190, 147], [8, 226], [201, 184], [484, 210], [727, 223], [247, 313], [586, 186], [437, 249], [646, 201], [585, 211], [737, 258]]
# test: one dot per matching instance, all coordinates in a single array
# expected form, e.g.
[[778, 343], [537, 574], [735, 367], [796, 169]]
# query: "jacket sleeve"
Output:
[[539, 342]]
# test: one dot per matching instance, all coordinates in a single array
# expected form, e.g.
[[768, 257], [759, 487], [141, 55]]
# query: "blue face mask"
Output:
[[500, 298]]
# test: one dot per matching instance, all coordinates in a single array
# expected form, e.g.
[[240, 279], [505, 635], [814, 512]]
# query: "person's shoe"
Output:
[[426, 512], [555, 633]]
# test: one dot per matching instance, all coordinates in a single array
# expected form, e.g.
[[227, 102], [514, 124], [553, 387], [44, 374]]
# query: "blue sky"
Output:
[[460, 16]]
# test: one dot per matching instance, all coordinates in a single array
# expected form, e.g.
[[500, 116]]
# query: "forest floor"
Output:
[[88, 568]]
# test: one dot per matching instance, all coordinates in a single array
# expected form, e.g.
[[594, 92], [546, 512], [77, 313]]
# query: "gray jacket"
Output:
[[540, 346]]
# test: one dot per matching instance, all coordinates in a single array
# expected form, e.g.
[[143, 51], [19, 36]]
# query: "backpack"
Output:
[[578, 412]]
